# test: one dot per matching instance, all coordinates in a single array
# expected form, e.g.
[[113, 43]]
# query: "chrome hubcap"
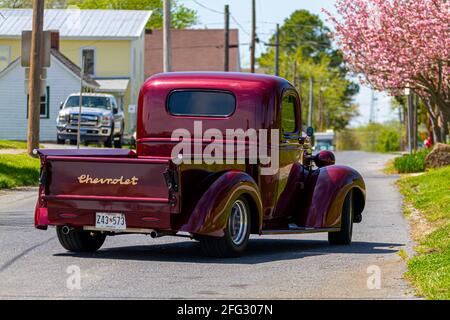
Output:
[[238, 222]]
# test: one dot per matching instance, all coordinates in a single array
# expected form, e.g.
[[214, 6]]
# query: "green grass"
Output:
[[411, 163], [429, 270], [12, 144], [18, 171], [403, 254], [9, 144]]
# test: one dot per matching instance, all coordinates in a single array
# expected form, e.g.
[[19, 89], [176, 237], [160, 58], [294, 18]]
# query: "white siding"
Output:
[[137, 67], [13, 100]]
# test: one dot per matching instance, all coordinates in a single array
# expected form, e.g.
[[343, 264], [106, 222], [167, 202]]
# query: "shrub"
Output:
[[411, 163], [347, 140], [388, 141]]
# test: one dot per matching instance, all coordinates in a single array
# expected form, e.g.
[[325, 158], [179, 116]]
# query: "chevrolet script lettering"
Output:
[[87, 179]]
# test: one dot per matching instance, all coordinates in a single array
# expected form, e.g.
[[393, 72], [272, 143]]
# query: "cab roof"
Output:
[[199, 78]]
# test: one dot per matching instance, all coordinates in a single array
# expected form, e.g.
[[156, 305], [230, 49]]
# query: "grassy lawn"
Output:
[[429, 270], [9, 144], [12, 144], [18, 171]]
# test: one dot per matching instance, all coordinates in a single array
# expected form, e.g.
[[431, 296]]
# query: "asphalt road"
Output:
[[34, 265]]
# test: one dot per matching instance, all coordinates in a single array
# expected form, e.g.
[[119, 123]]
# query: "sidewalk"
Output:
[[44, 145], [12, 151]]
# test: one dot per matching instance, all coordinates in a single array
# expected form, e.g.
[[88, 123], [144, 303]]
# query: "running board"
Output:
[[299, 230]]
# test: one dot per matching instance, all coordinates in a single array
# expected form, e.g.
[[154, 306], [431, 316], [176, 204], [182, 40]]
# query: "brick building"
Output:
[[192, 50]]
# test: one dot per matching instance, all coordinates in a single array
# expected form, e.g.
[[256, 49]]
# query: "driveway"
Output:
[[34, 265]]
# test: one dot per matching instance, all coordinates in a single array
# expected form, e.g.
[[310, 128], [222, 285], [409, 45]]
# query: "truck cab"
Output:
[[219, 156], [102, 120]]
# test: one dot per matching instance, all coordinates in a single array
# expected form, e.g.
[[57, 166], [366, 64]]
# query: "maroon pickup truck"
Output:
[[219, 156]]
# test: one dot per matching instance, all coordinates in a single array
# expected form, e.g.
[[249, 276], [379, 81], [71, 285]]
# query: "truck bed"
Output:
[[78, 184]]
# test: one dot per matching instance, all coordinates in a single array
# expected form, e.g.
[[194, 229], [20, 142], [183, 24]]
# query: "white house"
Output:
[[63, 79], [110, 42]]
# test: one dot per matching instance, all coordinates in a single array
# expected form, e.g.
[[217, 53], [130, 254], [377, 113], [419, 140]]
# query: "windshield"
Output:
[[324, 145], [89, 102]]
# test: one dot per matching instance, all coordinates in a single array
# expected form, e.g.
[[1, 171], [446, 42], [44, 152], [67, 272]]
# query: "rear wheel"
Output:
[[80, 241], [344, 237], [237, 233]]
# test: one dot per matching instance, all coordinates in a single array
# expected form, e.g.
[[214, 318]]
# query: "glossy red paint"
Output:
[[324, 158], [196, 198], [325, 191], [210, 214]]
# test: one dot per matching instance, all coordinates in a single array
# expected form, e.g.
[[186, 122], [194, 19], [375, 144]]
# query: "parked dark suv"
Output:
[[102, 120]]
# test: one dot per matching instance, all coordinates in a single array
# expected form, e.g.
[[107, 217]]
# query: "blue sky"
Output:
[[268, 13]]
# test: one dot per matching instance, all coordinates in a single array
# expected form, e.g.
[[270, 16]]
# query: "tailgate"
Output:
[[78, 187], [112, 179]]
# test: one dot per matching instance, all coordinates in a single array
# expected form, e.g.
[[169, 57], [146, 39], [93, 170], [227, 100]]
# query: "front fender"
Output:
[[210, 215], [325, 192]]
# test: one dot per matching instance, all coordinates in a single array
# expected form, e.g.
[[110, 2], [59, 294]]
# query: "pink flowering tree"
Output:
[[399, 44]]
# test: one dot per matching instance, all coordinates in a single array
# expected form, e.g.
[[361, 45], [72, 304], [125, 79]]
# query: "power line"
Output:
[[221, 13], [208, 8], [240, 25]]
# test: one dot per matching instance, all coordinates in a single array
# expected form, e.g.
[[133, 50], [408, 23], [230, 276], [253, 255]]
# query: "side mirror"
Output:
[[310, 132], [61, 105], [115, 110]]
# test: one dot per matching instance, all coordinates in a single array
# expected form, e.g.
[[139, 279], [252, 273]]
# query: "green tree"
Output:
[[306, 52], [182, 17], [18, 4]]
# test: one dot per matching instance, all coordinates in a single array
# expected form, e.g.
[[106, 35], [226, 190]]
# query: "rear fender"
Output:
[[325, 192], [210, 215]]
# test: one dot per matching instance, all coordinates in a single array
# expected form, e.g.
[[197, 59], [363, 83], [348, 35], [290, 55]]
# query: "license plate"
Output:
[[110, 221]]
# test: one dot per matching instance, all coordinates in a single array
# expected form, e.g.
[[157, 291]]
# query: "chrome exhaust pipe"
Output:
[[155, 234], [66, 230]]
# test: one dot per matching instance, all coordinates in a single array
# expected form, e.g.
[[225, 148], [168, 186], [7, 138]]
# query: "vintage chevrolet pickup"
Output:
[[179, 183]]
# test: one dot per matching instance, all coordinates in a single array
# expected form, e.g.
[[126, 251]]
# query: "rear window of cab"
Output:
[[201, 103]]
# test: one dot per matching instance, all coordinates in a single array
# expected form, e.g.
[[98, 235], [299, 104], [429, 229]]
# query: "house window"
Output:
[[88, 56], [5, 56], [44, 106]]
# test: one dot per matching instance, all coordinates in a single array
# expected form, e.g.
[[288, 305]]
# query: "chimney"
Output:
[[54, 35]]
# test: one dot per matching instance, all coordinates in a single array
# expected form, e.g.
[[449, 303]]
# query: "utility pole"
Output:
[[167, 44], [372, 107], [227, 39], [277, 51], [320, 107], [416, 115], [253, 48], [294, 74], [410, 121], [400, 127], [80, 105], [34, 101], [311, 101]]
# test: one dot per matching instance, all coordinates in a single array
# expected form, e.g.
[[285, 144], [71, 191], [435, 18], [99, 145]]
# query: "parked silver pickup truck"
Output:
[[102, 120]]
